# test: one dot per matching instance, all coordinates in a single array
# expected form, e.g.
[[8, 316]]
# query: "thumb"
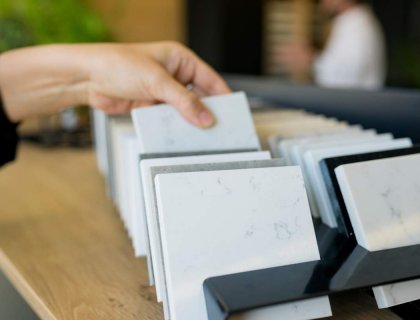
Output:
[[185, 101]]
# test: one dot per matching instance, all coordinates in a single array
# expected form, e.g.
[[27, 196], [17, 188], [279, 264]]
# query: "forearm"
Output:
[[112, 77], [43, 80]]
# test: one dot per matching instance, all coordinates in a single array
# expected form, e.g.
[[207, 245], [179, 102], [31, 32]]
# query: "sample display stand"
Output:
[[344, 265]]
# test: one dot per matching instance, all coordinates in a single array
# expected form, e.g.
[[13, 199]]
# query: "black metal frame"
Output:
[[344, 266]]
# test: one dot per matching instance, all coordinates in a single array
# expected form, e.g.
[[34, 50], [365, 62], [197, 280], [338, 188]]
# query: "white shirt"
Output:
[[355, 54]]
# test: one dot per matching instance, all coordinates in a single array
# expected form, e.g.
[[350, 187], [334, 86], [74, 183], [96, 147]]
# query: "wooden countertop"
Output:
[[63, 246]]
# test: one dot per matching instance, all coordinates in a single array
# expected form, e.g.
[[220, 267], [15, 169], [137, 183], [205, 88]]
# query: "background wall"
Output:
[[143, 20]]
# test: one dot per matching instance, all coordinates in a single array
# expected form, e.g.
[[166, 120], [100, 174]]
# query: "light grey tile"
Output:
[[223, 222]]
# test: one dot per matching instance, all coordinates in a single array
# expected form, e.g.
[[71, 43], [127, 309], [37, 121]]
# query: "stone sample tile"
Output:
[[148, 198], [223, 222], [214, 166], [382, 199], [328, 167], [312, 168], [298, 151], [162, 129]]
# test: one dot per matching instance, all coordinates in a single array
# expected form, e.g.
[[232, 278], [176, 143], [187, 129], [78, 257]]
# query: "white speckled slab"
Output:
[[297, 152], [150, 203], [99, 131], [233, 165], [120, 129], [114, 124], [161, 129], [223, 222], [135, 206], [314, 173], [382, 198], [287, 147], [128, 170]]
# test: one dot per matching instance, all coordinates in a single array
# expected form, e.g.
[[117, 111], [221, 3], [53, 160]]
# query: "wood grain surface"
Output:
[[64, 248]]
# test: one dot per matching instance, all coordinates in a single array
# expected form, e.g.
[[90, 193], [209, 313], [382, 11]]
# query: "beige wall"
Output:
[[143, 20]]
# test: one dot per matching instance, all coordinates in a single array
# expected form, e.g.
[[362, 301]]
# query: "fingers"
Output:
[[185, 101], [109, 105], [207, 80], [188, 68]]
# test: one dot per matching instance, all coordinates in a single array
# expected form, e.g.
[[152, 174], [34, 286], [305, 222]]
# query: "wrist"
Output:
[[43, 80]]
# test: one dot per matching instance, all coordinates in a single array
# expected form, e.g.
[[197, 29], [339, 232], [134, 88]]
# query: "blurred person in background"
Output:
[[354, 56]]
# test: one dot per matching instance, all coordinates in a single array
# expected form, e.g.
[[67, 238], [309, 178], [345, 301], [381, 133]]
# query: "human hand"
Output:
[[113, 77], [131, 75]]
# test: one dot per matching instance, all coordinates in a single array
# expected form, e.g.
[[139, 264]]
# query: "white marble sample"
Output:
[[162, 129], [149, 201], [397, 293], [118, 128], [214, 166], [349, 135], [284, 146], [297, 153], [99, 130], [382, 199], [223, 222], [129, 170], [135, 206], [314, 173]]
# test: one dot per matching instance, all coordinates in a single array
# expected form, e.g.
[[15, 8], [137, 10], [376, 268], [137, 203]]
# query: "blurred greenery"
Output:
[[29, 22]]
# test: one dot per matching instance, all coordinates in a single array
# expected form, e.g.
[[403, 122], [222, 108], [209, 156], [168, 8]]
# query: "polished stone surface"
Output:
[[154, 254], [294, 154], [119, 130], [113, 123], [214, 166], [162, 129], [344, 266], [286, 146], [129, 151], [135, 207], [382, 199], [313, 170], [99, 119], [336, 198], [231, 221]]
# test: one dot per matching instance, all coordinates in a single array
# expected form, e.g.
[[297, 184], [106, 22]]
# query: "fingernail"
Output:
[[206, 119]]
